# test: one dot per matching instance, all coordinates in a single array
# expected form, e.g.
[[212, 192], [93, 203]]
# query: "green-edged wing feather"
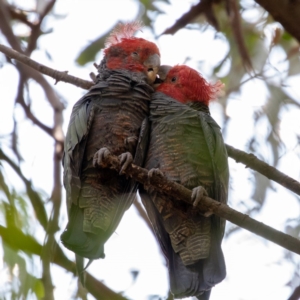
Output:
[[80, 121], [219, 158]]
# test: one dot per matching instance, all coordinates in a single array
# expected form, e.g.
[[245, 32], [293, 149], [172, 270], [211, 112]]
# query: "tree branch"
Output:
[[251, 161], [236, 26], [27, 110], [296, 294], [203, 7], [180, 193], [19, 15], [36, 28], [59, 76], [6, 28], [286, 12]]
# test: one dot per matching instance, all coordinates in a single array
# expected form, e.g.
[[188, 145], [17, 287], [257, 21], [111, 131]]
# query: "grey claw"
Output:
[[125, 160], [152, 173], [155, 172], [131, 143], [197, 194], [100, 156]]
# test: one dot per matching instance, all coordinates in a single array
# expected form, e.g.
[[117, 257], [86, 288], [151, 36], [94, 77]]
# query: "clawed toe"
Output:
[[197, 194], [155, 172], [152, 173], [100, 156], [131, 143], [125, 160]]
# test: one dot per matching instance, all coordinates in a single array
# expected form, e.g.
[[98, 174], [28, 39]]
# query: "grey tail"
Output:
[[205, 295], [80, 269]]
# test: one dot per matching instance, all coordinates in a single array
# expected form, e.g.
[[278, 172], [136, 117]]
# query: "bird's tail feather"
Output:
[[184, 281], [85, 244]]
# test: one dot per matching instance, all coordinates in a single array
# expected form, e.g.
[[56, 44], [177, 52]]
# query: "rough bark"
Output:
[[207, 204], [251, 161], [286, 12], [57, 75]]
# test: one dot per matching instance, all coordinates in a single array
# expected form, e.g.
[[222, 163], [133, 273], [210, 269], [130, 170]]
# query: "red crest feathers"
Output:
[[123, 31], [217, 90], [185, 84]]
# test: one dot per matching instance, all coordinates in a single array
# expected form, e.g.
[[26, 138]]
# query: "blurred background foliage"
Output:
[[258, 49]]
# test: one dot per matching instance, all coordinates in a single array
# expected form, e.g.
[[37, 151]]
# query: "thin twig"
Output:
[[19, 15], [6, 28], [251, 161], [236, 26], [203, 7], [36, 28], [27, 110], [180, 193], [58, 75]]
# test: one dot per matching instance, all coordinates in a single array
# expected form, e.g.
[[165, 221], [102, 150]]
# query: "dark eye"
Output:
[[174, 79], [135, 54]]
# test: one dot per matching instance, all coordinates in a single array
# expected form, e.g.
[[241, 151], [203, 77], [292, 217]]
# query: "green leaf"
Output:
[[90, 51], [38, 289], [17, 240]]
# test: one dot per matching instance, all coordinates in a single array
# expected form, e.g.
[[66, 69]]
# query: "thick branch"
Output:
[[180, 193], [296, 294], [251, 161], [286, 12], [59, 76]]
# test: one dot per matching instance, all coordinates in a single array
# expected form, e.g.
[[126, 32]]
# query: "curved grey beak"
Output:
[[162, 73], [152, 64]]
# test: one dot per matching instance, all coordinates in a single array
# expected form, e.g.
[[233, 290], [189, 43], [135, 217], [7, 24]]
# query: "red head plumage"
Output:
[[186, 85], [124, 51]]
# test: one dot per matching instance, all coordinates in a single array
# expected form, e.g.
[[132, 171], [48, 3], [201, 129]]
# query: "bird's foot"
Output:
[[197, 194], [131, 143], [154, 173], [151, 174], [100, 157], [125, 159]]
